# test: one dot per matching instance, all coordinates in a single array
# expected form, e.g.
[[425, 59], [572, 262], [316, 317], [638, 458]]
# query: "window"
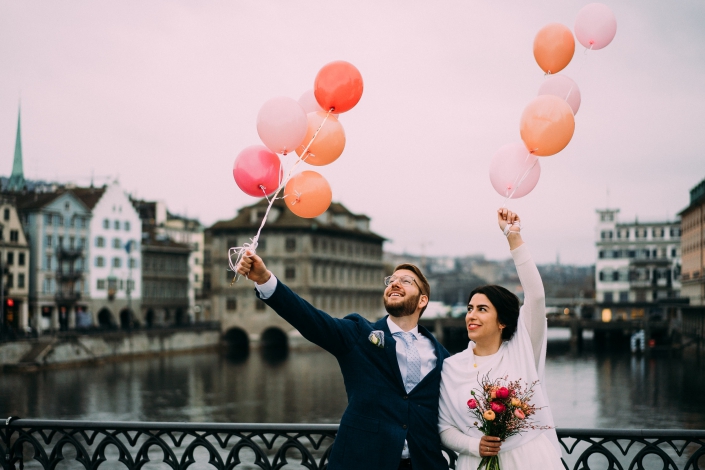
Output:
[[126, 225], [130, 285], [608, 297], [132, 263], [231, 242], [259, 305], [59, 220], [9, 281], [10, 258], [99, 242], [82, 242], [49, 241], [48, 219], [61, 242], [20, 259], [72, 242], [6, 214], [106, 223], [615, 276], [195, 261], [99, 261], [673, 252], [117, 243], [262, 244], [231, 304], [290, 244], [48, 262], [101, 284], [624, 296], [290, 272], [117, 262], [117, 225], [1, 236], [20, 281], [195, 278]]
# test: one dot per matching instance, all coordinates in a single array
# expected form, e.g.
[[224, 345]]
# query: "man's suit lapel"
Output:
[[390, 349]]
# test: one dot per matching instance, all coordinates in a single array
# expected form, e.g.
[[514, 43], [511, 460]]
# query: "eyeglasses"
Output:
[[403, 280]]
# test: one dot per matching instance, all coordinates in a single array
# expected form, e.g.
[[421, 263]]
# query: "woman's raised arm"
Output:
[[534, 307]]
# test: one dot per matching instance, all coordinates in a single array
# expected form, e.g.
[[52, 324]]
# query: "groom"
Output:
[[391, 369]]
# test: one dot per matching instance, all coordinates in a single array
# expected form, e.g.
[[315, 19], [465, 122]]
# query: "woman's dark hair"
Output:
[[506, 304]]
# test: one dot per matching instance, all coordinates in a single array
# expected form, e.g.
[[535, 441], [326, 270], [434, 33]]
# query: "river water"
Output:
[[615, 390]]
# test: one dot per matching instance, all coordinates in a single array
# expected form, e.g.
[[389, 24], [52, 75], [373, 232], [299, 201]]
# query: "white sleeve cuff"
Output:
[[521, 254], [267, 289]]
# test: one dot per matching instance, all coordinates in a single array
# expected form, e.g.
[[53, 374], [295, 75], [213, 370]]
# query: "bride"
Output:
[[505, 341]]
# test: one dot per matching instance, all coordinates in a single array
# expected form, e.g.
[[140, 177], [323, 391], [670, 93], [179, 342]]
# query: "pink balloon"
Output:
[[595, 26], [507, 168], [562, 87], [281, 124], [257, 171]]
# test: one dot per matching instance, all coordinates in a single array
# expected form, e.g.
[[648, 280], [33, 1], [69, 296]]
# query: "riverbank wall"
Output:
[[67, 350]]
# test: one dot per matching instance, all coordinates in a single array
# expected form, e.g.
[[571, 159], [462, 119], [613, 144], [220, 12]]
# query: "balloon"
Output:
[[554, 47], [509, 165], [595, 26], [307, 194], [562, 87], [308, 101], [547, 125], [329, 142], [338, 86], [281, 124], [257, 170]]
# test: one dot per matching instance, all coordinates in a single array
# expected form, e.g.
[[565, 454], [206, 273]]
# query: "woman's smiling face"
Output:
[[481, 320]]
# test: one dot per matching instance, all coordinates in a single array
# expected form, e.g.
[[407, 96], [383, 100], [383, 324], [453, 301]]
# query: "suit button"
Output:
[[406, 397], [404, 426]]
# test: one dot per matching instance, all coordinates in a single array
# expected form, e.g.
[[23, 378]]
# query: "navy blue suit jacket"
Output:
[[380, 414]]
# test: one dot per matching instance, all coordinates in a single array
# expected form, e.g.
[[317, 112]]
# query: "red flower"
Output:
[[502, 392], [497, 407], [472, 403]]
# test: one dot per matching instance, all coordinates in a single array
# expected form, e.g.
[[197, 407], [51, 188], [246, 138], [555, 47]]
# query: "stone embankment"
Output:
[[69, 349]]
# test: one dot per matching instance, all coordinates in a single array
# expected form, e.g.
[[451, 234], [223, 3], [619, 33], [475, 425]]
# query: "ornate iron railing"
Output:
[[26, 443]]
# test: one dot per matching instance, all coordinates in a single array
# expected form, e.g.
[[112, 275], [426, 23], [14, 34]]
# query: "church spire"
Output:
[[17, 181]]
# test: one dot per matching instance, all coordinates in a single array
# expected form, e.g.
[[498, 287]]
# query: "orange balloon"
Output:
[[547, 125], [338, 86], [554, 47], [308, 194], [329, 142]]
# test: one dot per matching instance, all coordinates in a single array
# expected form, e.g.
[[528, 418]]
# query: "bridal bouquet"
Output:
[[503, 409]]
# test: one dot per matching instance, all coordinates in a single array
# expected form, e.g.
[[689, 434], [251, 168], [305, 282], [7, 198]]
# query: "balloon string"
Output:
[[239, 251], [580, 69], [520, 178]]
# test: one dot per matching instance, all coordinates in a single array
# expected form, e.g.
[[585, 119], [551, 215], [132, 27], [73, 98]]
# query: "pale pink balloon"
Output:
[[281, 124], [595, 26], [562, 87], [257, 170], [507, 168], [309, 103]]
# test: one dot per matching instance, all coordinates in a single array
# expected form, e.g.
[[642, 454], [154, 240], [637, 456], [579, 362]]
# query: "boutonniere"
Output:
[[377, 338]]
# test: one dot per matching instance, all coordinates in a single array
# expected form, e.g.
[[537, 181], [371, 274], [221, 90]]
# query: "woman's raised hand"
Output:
[[506, 217]]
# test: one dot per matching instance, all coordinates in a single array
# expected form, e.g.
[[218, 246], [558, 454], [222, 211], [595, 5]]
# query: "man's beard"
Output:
[[402, 309]]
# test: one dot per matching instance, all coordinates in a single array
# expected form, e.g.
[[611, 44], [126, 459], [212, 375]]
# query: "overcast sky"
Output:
[[164, 94]]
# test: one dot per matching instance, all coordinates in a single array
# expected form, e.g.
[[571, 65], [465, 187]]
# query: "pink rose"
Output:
[[497, 407], [472, 403], [502, 392], [519, 414]]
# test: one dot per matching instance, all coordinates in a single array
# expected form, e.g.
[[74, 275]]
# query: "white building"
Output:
[[114, 254], [637, 264]]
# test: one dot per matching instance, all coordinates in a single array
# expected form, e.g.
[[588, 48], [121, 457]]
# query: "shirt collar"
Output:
[[394, 328]]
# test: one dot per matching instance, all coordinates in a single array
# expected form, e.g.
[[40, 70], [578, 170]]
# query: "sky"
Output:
[[163, 95]]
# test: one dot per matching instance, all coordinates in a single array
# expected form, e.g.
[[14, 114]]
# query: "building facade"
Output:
[[693, 246], [334, 261], [165, 281], [158, 220], [57, 225], [14, 264], [637, 264], [114, 253]]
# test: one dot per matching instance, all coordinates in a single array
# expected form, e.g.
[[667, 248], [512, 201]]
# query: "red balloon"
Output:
[[338, 86], [257, 171]]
